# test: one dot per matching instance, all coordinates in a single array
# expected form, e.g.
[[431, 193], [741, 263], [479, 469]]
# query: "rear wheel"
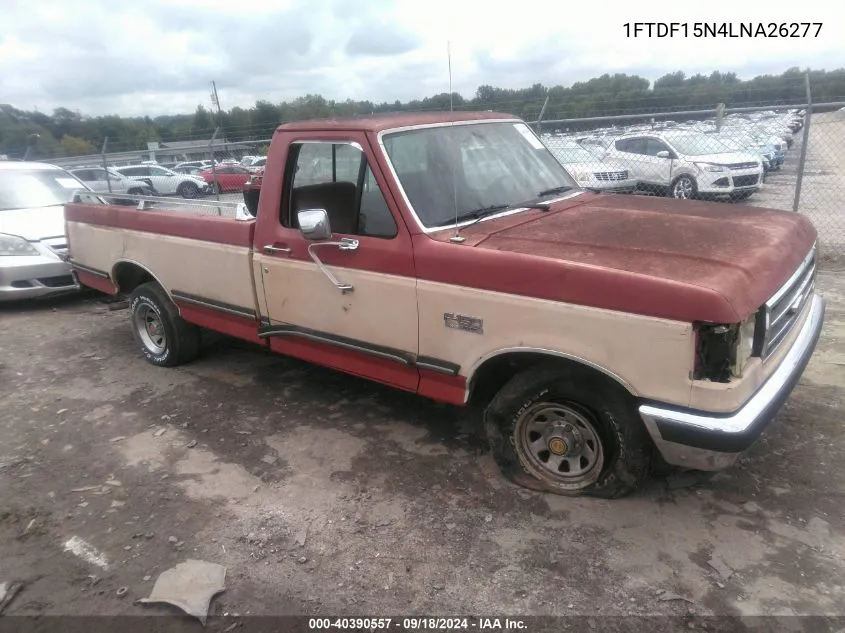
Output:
[[188, 190], [683, 188], [164, 337], [568, 431]]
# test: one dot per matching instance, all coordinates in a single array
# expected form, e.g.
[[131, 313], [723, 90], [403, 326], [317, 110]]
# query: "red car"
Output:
[[229, 177]]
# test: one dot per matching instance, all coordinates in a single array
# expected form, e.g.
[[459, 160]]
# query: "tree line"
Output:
[[69, 133]]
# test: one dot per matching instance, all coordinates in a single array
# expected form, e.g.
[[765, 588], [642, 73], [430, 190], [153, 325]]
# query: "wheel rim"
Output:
[[683, 189], [559, 443], [150, 328], [190, 190]]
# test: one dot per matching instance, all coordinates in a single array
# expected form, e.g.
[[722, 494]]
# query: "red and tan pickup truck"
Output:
[[452, 256]]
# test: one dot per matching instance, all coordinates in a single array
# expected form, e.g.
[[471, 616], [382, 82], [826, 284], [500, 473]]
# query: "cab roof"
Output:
[[380, 122]]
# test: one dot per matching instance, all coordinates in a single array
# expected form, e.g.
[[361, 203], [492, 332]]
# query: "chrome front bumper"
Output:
[[712, 441]]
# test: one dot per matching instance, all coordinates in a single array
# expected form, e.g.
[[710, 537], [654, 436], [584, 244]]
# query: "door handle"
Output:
[[277, 249]]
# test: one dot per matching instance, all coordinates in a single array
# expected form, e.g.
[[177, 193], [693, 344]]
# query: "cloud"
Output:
[[380, 40], [159, 56]]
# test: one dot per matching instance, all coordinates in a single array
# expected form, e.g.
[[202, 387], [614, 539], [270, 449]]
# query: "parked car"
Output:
[[110, 181], [202, 164], [166, 182], [595, 330], [192, 170], [743, 142], [33, 246], [247, 161], [229, 177], [591, 173], [258, 163], [686, 165]]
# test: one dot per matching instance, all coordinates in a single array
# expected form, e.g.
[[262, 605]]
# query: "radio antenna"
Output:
[[457, 238]]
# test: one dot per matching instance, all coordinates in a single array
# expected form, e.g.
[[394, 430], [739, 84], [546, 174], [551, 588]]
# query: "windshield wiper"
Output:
[[561, 189], [483, 212]]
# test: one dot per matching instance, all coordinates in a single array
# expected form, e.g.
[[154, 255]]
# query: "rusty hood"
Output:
[[740, 252]]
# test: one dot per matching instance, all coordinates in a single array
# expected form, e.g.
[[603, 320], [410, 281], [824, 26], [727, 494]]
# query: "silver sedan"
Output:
[[33, 246]]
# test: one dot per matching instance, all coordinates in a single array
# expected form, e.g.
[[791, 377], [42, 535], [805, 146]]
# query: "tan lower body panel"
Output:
[[220, 272], [651, 357], [380, 311]]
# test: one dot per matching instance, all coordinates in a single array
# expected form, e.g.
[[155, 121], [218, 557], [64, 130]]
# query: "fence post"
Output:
[[802, 161], [105, 164], [214, 169], [540, 118]]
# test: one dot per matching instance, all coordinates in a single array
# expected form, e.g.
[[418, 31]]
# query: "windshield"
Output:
[[697, 145], [573, 154], [30, 188], [456, 169]]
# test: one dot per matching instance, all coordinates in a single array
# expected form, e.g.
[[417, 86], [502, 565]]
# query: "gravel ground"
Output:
[[325, 494]]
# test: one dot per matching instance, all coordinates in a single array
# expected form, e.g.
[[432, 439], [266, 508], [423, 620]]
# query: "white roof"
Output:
[[20, 165]]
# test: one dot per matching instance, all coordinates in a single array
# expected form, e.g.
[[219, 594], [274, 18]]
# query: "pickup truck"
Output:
[[451, 255]]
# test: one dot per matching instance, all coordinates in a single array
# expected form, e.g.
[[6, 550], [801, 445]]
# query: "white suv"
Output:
[[164, 181], [686, 165], [102, 181]]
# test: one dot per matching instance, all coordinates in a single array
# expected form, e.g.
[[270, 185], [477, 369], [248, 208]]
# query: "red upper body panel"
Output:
[[686, 261]]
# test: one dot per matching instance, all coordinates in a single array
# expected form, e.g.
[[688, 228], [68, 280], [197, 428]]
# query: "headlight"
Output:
[[14, 245], [744, 344], [710, 167], [582, 175]]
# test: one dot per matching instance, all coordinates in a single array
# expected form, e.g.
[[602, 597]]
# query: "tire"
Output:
[[215, 188], [683, 185], [188, 190], [602, 433], [744, 195], [165, 339]]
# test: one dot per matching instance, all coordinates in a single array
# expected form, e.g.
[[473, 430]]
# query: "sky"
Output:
[[159, 56]]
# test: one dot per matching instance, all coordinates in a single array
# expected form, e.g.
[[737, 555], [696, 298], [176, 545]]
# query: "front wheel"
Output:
[[165, 338], [188, 190], [684, 188], [568, 431]]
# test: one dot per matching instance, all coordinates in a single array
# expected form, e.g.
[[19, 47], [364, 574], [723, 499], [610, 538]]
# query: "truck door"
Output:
[[348, 301]]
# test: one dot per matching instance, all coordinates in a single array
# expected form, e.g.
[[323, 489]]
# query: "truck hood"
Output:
[[35, 223], [730, 259]]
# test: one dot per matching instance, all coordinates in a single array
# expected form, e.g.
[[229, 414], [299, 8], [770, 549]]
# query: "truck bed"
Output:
[[188, 254]]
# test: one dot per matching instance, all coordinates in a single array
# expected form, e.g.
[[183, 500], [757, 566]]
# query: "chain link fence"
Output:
[[780, 157]]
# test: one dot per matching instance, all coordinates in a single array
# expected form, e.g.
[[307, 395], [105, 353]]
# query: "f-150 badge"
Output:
[[462, 322]]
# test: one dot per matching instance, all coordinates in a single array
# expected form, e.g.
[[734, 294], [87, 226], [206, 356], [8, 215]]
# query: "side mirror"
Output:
[[314, 224], [662, 154]]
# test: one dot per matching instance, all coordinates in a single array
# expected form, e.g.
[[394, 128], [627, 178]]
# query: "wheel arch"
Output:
[[128, 274], [491, 371]]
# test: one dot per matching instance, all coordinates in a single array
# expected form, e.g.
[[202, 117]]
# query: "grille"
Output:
[[742, 166], [777, 317], [611, 175], [56, 282], [745, 181]]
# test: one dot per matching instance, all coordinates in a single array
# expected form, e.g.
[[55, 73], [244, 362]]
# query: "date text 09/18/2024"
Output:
[[408, 624], [722, 29]]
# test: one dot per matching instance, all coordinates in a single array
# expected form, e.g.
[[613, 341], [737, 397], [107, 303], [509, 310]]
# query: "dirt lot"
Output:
[[325, 494]]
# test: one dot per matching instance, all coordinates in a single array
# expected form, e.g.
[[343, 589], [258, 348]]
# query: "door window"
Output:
[[337, 177], [653, 146]]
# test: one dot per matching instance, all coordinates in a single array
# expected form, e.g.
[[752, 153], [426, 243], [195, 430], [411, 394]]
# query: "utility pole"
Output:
[[215, 101]]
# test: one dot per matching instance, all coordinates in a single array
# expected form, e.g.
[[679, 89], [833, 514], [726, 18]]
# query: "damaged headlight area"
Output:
[[722, 351]]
